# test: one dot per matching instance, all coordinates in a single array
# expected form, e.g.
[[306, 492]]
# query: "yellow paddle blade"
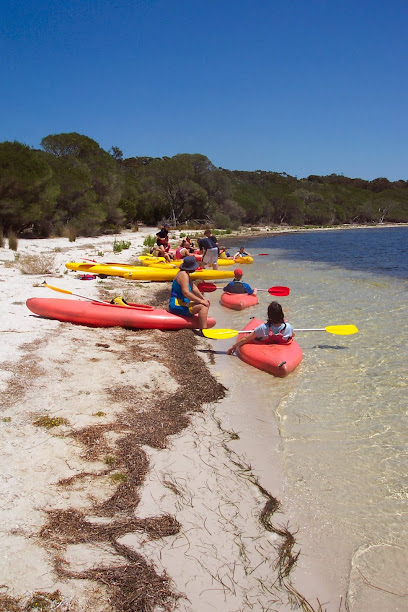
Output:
[[57, 288], [219, 334], [342, 330]]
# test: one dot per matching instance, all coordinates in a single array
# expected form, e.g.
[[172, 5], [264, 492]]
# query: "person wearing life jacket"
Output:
[[242, 253], [182, 252], [185, 299], [275, 331], [237, 285]]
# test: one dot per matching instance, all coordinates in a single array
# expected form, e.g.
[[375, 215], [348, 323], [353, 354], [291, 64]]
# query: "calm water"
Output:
[[342, 416]]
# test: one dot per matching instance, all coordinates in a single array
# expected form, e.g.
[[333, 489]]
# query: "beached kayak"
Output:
[[277, 359], [157, 262], [135, 316], [145, 272], [238, 301]]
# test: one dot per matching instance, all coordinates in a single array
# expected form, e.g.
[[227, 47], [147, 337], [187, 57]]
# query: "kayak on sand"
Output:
[[276, 359], [238, 301], [145, 272], [134, 316]]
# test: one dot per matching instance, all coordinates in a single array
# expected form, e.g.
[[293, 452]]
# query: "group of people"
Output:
[[208, 248], [187, 300]]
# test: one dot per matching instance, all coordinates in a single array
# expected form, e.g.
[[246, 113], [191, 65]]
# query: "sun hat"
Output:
[[189, 264], [238, 272]]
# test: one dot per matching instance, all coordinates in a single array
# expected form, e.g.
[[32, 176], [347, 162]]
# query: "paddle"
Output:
[[134, 306], [210, 287], [71, 293], [224, 334], [262, 254]]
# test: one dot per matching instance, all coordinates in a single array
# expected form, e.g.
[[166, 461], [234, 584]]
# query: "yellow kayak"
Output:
[[244, 260], [145, 272], [159, 263]]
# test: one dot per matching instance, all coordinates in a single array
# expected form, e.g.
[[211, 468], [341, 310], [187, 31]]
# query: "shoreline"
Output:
[[101, 436], [228, 239]]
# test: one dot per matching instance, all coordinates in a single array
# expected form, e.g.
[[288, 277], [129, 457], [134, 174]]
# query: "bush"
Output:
[[12, 241], [36, 264], [149, 241], [222, 220], [120, 245], [71, 233]]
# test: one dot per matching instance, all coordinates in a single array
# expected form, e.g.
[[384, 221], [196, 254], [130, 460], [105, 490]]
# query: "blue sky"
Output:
[[297, 86]]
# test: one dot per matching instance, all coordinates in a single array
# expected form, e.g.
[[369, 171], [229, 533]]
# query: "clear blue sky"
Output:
[[297, 86]]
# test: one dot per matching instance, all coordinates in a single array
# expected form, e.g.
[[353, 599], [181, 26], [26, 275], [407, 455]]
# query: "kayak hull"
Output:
[[238, 301], [148, 273], [247, 259], [96, 314], [276, 359]]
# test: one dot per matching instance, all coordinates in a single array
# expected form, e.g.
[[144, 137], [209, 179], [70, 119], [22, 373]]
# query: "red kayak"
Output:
[[238, 301], [276, 359], [135, 316]]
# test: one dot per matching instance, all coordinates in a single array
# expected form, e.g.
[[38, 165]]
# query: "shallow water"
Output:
[[341, 416]]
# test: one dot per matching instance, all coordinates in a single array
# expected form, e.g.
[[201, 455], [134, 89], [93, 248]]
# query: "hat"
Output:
[[238, 272], [189, 264]]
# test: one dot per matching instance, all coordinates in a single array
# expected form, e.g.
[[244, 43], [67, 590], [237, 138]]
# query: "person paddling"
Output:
[[275, 331], [237, 285], [242, 253], [185, 299]]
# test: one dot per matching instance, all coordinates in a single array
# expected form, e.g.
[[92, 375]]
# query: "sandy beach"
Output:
[[119, 489]]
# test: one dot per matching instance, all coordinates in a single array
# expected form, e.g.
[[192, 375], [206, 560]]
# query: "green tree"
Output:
[[28, 190]]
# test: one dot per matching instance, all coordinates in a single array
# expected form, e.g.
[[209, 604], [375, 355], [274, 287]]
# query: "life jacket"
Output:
[[275, 338], [237, 287], [120, 301]]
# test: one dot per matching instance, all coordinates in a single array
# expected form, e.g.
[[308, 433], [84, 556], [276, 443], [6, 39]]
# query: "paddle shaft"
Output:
[[71, 293]]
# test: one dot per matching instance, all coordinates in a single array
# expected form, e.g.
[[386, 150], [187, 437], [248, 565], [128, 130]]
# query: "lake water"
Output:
[[330, 441]]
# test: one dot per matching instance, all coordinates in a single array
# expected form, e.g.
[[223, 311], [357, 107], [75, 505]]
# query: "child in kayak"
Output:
[[242, 253], [238, 286], [185, 299], [274, 331]]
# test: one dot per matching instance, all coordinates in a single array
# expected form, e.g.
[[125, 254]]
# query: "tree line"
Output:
[[71, 183]]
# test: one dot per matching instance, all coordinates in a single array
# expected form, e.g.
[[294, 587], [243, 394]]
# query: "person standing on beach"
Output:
[[237, 285], [275, 331], [209, 248], [185, 299]]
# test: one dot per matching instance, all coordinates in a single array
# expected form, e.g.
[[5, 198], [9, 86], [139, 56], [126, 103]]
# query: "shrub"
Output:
[[12, 241], [36, 264], [71, 233], [149, 241], [120, 245]]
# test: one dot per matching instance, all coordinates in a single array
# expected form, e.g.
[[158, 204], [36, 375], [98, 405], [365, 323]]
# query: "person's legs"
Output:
[[202, 312]]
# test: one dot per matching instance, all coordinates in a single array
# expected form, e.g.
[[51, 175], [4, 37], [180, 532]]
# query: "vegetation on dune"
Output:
[[73, 187]]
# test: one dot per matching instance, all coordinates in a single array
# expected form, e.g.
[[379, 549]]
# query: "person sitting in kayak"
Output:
[[237, 285], [242, 253], [275, 331], [158, 251], [223, 254], [185, 299], [182, 252], [187, 243]]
